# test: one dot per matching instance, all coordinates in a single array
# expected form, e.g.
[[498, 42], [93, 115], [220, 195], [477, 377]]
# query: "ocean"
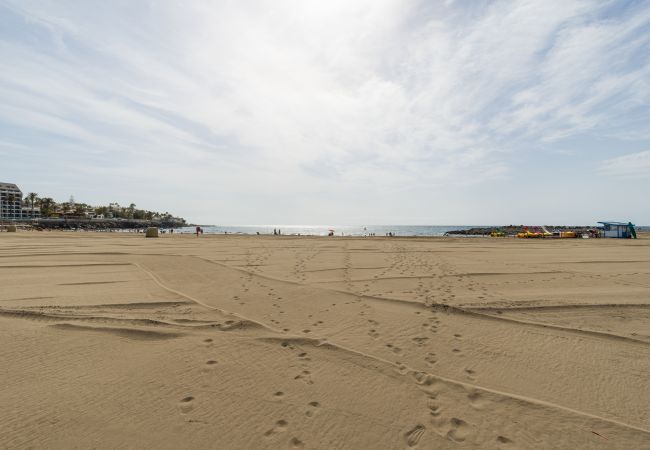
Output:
[[339, 230]]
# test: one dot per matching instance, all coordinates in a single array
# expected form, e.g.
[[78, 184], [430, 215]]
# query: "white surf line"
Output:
[[316, 342], [156, 280]]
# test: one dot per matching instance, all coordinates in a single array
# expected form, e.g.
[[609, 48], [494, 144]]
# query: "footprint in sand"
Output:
[[305, 376], [431, 359], [296, 443], [280, 426], [414, 435], [313, 408], [477, 400], [459, 430], [278, 394], [186, 404], [503, 440], [420, 341], [401, 368], [211, 362], [434, 408], [393, 348], [373, 333]]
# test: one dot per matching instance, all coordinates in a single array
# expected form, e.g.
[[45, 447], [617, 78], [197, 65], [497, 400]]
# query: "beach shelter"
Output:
[[618, 230]]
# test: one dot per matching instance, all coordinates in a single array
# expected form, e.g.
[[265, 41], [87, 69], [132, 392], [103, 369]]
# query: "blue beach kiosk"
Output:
[[618, 230]]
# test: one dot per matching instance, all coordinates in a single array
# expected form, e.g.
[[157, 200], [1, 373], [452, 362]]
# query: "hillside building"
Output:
[[12, 206]]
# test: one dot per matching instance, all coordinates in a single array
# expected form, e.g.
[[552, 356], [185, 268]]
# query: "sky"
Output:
[[332, 112]]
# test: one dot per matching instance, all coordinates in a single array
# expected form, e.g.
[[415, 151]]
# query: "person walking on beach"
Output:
[[198, 231]]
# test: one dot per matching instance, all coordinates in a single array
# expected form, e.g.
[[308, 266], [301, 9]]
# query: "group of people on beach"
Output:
[[278, 232]]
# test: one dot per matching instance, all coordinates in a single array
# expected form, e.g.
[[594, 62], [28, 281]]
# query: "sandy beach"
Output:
[[244, 342]]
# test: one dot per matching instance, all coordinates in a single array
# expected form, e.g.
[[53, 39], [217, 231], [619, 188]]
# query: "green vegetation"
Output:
[[71, 209]]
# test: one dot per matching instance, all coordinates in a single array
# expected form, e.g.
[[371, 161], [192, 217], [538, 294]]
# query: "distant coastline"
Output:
[[45, 213]]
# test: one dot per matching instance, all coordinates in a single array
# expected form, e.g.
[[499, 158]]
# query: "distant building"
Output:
[[11, 204], [618, 230]]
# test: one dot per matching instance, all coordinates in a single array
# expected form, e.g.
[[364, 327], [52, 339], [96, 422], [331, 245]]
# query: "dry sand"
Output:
[[232, 342]]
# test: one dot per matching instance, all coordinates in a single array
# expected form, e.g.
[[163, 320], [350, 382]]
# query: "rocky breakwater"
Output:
[[102, 224], [512, 230]]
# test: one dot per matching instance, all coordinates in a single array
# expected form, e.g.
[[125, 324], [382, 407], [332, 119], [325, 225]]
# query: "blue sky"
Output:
[[337, 112]]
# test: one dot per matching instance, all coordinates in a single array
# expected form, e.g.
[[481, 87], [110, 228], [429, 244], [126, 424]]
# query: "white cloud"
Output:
[[296, 95], [634, 165]]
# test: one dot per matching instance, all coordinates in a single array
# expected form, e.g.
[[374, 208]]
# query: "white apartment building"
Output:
[[12, 206]]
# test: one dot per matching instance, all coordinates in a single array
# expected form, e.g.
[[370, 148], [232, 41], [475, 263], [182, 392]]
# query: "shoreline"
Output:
[[185, 231]]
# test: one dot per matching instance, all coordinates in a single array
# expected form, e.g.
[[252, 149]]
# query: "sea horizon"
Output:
[[324, 230], [353, 230]]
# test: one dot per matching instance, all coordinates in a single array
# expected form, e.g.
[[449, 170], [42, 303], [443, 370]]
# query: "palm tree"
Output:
[[32, 197], [113, 209], [66, 208], [46, 206]]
